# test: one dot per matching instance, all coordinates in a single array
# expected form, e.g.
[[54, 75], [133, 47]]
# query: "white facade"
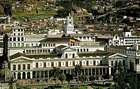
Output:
[[115, 59], [27, 65], [127, 39], [24, 67], [17, 37], [85, 37]]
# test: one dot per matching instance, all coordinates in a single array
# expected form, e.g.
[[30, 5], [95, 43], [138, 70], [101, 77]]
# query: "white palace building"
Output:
[[34, 56]]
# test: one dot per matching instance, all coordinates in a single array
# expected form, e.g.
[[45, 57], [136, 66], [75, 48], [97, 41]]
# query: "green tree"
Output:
[[5, 47], [69, 77], [55, 72], [132, 77], [82, 78], [120, 77], [70, 5], [77, 70], [62, 77]]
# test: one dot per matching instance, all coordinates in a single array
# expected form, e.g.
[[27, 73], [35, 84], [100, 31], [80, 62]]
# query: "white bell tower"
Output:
[[69, 26]]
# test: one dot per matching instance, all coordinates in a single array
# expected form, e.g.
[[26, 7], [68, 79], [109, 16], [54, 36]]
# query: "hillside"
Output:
[[35, 9]]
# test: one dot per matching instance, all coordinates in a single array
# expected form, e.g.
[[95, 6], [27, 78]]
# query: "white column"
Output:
[[95, 71], [109, 70], [102, 72], [16, 66], [16, 75], [21, 74], [25, 75], [31, 75], [70, 71], [91, 71]]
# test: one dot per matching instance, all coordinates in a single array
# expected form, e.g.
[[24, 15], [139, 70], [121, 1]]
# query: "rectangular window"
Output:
[[52, 64], [94, 62], [22, 39], [24, 67], [36, 65], [14, 39], [14, 67], [137, 61], [87, 63], [111, 63], [87, 50], [59, 64], [10, 39], [18, 38], [78, 50], [28, 66], [53, 44], [44, 64], [19, 67], [66, 64]]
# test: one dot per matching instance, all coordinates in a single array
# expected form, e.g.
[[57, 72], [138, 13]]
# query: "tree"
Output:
[[55, 72], [5, 47], [92, 78], [82, 78], [62, 77], [7, 7], [70, 5], [120, 77], [77, 71], [4, 57], [69, 77], [132, 77]]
